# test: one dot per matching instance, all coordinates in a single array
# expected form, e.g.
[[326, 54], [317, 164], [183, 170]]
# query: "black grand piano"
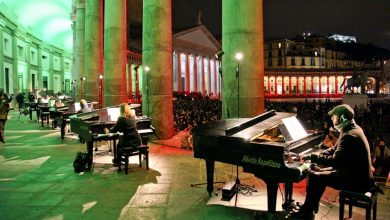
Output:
[[90, 127], [263, 145]]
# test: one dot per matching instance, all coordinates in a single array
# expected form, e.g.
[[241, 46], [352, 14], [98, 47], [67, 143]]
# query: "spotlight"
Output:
[[219, 55], [239, 56]]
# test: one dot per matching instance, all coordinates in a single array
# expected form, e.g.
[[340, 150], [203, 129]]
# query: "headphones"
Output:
[[342, 119]]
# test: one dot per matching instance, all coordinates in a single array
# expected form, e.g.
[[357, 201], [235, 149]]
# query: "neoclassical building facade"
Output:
[[28, 63]]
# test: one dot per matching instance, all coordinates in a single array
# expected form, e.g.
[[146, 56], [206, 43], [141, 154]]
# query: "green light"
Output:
[[48, 20]]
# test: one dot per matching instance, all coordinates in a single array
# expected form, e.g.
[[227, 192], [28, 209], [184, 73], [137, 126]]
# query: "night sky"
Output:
[[368, 20]]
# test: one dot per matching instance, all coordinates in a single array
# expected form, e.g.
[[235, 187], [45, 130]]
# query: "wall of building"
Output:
[[29, 63]]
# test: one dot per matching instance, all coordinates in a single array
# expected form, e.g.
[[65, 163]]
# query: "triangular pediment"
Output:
[[199, 35]]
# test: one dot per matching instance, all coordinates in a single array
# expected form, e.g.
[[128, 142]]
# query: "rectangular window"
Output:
[[20, 52], [312, 62], [6, 44], [280, 62], [32, 56], [303, 62], [45, 82], [292, 61]]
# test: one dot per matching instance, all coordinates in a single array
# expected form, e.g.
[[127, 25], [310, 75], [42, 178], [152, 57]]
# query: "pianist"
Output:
[[127, 125], [345, 166], [84, 107]]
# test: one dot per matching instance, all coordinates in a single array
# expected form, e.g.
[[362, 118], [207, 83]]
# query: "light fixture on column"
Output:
[[82, 84], [147, 69], [73, 89], [100, 78], [239, 56], [218, 57]]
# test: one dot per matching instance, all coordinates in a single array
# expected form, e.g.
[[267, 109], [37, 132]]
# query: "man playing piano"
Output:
[[346, 165]]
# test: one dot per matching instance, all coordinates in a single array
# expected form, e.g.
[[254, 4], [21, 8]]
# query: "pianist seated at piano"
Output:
[[127, 125], [84, 107], [345, 166]]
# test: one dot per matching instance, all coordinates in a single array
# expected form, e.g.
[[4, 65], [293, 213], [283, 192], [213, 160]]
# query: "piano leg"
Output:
[[63, 125], [116, 160], [288, 191], [272, 190], [210, 175], [89, 154]]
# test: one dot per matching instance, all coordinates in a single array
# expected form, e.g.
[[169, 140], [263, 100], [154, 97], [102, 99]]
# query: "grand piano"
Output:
[[264, 145], [90, 127], [61, 115]]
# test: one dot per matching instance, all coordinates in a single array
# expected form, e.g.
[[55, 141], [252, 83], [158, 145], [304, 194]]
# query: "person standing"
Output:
[[4, 107], [20, 100], [345, 166], [381, 159]]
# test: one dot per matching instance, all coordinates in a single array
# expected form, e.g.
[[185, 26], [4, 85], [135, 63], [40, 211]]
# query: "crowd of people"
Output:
[[190, 110]]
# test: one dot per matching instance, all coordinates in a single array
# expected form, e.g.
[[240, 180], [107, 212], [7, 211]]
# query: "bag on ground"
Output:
[[80, 162]]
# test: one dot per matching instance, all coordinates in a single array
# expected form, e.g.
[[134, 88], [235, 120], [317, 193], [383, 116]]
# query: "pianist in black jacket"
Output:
[[126, 124], [345, 166]]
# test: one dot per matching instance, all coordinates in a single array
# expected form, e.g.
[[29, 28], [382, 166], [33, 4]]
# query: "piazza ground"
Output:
[[37, 181]]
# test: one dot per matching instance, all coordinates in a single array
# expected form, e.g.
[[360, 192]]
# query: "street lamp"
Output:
[[82, 82], [100, 78], [74, 89], [147, 69], [239, 56], [218, 57]]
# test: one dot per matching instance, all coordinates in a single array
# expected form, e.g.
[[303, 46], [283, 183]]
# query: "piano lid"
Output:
[[103, 115], [286, 130], [281, 127]]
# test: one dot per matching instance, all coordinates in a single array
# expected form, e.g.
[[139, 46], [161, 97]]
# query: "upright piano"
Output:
[[262, 145], [90, 127]]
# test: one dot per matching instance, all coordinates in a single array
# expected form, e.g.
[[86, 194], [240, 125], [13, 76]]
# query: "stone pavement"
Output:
[[37, 181]]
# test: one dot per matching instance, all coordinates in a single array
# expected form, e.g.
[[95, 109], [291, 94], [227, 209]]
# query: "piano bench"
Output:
[[366, 200], [127, 152], [45, 116]]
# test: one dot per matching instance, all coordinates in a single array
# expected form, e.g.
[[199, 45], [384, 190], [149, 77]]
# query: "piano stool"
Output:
[[366, 200], [130, 151], [45, 116]]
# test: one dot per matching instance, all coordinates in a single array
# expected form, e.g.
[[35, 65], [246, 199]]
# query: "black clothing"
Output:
[[128, 127], [350, 164], [20, 100], [84, 110]]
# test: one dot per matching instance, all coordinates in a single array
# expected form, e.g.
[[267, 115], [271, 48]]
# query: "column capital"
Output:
[[2, 23]]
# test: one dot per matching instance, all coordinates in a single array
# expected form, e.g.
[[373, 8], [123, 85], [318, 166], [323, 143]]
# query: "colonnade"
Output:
[[194, 73], [242, 31]]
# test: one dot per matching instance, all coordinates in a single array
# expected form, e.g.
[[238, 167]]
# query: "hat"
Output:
[[343, 109]]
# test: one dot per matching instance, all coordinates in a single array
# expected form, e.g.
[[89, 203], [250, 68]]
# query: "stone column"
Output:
[[2, 25], [157, 54], [39, 61], [50, 77], [79, 53], [28, 68], [195, 73], [15, 72], [62, 76], [93, 48], [242, 31], [115, 48]]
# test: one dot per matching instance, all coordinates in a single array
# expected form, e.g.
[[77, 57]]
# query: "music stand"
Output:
[[205, 183]]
